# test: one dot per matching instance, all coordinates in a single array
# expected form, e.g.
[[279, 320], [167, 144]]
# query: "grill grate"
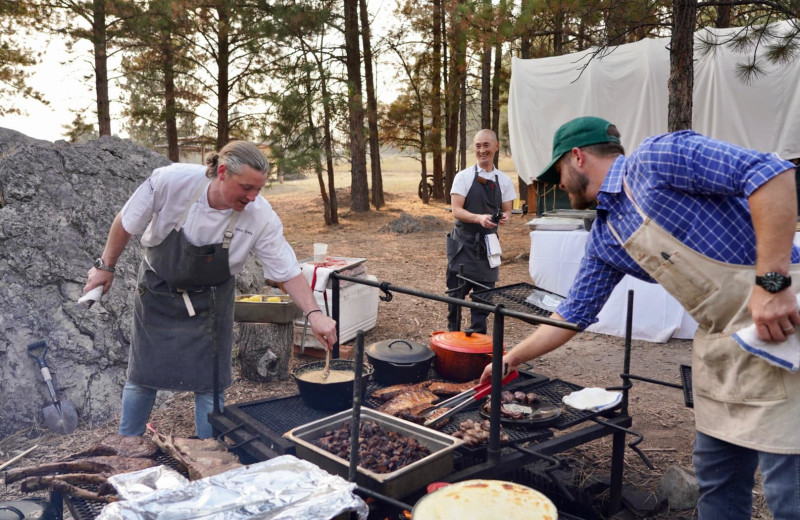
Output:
[[89, 509], [282, 414], [514, 297]]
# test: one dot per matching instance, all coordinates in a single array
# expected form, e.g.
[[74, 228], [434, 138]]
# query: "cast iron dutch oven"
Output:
[[329, 395], [397, 361], [461, 356]]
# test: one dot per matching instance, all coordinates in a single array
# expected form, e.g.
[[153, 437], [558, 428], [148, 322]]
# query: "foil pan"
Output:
[[283, 488]]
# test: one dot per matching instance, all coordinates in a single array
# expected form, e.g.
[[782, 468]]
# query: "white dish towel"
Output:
[[783, 354], [493, 250]]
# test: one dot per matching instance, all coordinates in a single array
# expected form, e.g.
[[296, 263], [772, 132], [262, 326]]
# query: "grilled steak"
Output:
[[390, 392], [408, 400], [447, 389], [200, 457], [121, 445]]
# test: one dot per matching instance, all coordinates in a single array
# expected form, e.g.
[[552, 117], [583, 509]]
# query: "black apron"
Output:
[[183, 311], [465, 243]]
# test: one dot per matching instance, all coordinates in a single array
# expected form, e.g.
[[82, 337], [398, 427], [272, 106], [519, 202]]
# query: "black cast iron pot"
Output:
[[327, 395], [397, 361]]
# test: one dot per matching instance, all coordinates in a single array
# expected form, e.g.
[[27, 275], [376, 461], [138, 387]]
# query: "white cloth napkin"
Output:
[[783, 354], [91, 297], [493, 250], [594, 399], [323, 273]]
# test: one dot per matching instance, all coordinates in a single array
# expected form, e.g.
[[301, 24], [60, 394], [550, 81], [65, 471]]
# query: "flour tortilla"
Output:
[[482, 499]]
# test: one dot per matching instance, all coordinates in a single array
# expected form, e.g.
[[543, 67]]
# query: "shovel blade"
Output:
[[61, 417]]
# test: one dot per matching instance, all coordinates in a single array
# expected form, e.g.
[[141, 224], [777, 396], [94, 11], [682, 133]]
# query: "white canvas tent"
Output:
[[629, 88]]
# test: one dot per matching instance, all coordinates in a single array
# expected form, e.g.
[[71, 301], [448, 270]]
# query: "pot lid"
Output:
[[461, 341], [399, 351]]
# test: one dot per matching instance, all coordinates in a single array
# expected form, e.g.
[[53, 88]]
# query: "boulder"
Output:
[[679, 487], [57, 201]]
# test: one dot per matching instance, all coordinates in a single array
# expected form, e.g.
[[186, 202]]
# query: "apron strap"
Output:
[[195, 195], [629, 193], [226, 238]]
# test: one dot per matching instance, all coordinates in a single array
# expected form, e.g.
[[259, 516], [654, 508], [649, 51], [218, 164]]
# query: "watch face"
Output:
[[774, 282]]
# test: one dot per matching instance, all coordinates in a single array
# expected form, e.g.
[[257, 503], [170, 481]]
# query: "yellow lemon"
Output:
[[274, 299]]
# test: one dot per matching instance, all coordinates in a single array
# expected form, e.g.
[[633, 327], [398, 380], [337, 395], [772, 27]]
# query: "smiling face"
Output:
[[485, 146], [238, 190]]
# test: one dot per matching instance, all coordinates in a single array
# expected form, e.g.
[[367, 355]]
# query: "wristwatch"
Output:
[[99, 264], [774, 282]]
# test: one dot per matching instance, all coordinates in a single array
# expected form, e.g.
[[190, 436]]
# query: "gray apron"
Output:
[[738, 397], [465, 243], [183, 311]]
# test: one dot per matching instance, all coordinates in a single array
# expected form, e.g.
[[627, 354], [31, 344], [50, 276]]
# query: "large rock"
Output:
[[57, 201]]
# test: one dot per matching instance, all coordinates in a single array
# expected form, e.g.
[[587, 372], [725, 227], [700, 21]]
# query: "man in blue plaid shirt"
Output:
[[713, 223]]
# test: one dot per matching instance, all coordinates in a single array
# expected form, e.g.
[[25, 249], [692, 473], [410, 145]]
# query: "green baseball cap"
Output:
[[583, 131]]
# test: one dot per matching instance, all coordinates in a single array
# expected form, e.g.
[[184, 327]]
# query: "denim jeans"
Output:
[[137, 403], [726, 475]]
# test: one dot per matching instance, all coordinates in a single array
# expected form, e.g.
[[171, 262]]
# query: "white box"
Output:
[[358, 310]]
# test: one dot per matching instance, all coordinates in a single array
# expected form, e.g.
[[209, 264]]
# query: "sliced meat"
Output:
[[121, 445], [413, 414], [200, 457], [390, 392], [408, 400], [447, 389]]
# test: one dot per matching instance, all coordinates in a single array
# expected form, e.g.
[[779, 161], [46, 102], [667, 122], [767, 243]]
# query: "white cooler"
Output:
[[358, 310]]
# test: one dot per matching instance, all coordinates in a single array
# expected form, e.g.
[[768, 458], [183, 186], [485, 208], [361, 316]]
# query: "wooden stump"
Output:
[[265, 350]]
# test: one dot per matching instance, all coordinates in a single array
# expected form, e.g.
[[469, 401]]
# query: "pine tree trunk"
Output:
[[681, 64], [223, 56], [498, 69], [101, 66], [170, 109], [359, 190], [265, 350], [372, 111], [486, 86], [436, 102]]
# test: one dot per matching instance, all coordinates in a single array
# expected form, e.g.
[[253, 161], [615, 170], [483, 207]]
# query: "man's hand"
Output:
[[775, 315], [96, 278], [508, 367], [486, 221], [324, 329]]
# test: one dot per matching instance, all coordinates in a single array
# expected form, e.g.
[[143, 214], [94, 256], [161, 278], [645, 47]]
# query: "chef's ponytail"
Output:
[[236, 154]]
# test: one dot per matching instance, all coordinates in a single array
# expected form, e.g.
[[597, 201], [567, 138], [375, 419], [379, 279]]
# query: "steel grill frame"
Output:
[[513, 297]]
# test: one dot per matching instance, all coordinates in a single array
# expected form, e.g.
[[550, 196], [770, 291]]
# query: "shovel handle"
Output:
[[32, 352]]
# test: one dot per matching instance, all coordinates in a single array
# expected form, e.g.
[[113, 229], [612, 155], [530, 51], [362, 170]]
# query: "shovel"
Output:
[[60, 416]]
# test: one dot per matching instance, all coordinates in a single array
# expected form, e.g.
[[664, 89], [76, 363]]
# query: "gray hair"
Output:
[[236, 154]]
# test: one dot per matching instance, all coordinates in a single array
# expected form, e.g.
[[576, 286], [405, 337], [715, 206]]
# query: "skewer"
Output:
[[15, 459]]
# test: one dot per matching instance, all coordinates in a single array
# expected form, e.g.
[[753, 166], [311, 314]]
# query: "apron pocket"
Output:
[[723, 371], [685, 283], [167, 310]]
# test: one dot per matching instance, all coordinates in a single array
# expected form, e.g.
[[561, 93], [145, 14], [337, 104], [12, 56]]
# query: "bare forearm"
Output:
[[546, 339], [117, 239], [774, 210], [301, 294]]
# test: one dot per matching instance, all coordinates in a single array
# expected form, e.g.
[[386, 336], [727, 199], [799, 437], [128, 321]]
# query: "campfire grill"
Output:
[[81, 509], [513, 297]]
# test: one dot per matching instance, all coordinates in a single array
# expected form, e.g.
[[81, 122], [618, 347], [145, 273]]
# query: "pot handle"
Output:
[[400, 341]]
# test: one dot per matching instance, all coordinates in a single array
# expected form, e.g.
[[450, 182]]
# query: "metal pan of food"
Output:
[[531, 415]]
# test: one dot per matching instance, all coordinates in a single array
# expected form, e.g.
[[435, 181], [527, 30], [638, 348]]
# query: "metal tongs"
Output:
[[462, 400]]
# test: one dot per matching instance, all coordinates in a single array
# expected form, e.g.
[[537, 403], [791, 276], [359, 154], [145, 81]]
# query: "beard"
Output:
[[575, 185]]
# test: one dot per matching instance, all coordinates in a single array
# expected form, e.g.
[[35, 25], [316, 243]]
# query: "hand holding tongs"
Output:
[[463, 400]]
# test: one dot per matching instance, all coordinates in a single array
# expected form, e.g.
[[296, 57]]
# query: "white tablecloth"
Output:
[[657, 316]]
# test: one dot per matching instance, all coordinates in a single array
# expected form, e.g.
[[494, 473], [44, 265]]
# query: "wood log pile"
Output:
[[85, 474]]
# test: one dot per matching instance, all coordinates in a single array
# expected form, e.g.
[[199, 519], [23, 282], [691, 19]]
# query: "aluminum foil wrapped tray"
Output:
[[396, 484]]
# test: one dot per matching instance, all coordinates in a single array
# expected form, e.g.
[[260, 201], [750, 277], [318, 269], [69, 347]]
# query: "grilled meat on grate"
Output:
[[408, 400], [390, 392], [443, 388], [122, 445]]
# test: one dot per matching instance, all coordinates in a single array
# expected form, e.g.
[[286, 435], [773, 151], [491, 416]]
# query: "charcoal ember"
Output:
[[380, 450]]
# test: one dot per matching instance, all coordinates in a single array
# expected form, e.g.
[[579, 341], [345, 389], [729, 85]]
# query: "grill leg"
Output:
[[617, 467]]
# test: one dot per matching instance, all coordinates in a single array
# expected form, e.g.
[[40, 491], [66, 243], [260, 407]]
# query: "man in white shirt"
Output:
[[197, 225], [481, 198]]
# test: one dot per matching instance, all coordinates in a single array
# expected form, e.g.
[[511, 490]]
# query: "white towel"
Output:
[[322, 275], [593, 399], [783, 354], [493, 250], [91, 297]]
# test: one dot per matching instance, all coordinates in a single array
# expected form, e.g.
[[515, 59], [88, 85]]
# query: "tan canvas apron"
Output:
[[738, 397]]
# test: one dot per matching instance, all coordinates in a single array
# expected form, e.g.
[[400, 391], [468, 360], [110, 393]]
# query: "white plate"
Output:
[[594, 399]]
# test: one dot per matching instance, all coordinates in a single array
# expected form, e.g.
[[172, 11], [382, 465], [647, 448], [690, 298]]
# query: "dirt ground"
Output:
[[417, 261]]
